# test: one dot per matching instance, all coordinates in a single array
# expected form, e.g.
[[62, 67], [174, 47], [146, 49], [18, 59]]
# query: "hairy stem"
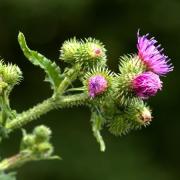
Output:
[[14, 161], [32, 114], [71, 75], [44, 107]]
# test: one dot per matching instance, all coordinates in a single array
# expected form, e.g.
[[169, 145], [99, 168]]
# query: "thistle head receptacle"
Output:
[[91, 53], [69, 49], [131, 117], [10, 74]]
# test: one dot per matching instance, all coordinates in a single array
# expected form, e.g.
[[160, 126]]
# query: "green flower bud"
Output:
[[131, 117], [42, 134], [119, 125], [139, 113], [91, 53], [11, 74], [98, 83], [45, 149], [130, 67], [69, 49], [131, 64], [27, 142]]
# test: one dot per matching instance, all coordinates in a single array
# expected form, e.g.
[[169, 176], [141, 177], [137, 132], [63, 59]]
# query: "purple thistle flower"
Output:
[[152, 56], [146, 84], [97, 84]]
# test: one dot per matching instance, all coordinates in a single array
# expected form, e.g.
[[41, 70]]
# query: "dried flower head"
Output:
[[152, 55], [146, 84]]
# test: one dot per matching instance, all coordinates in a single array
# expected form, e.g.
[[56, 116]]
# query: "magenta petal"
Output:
[[146, 84], [152, 55], [97, 85]]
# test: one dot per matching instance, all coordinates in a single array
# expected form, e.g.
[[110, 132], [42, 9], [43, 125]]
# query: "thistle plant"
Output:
[[117, 101]]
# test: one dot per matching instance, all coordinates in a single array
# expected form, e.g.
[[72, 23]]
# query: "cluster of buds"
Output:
[[89, 52], [34, 146], [117, 100], [37, 144]]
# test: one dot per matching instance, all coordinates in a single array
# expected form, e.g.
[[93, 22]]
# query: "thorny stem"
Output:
[[14, 161], [56, 101], [42, 108]]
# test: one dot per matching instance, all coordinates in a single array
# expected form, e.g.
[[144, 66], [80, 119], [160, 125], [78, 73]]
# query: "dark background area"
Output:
[[150, 154]]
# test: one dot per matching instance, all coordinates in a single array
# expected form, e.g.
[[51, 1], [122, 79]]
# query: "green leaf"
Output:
[[53, 73], [97, 122], [9, 176]]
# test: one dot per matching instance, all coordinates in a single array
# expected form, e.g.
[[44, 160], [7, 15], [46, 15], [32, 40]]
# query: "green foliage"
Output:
[[97, 123], [53, 73], [9, 176]]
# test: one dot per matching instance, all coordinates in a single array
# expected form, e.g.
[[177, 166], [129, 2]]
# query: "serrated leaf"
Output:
[[97, 122], [53, 73]]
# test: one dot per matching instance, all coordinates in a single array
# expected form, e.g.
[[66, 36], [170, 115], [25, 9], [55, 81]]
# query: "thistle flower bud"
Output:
[[91, 53], [134, 116], [11, 74], [45, 149], [119, 125], [98, 82], [130, 66], [27, 142], [146, 84], [139, 113], [42, 133], [69, 49]]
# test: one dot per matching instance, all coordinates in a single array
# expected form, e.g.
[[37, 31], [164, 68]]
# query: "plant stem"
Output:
[[44, 107], [14, 161], [32, 114], [71, 75]]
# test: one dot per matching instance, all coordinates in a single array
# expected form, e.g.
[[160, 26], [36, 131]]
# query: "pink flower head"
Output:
[[146, 84], [97, 84], [152, 55]]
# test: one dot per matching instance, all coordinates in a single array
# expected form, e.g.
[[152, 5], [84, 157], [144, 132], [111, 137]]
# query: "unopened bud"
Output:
[[42, 133], [45, 149], [146, 115], [69, 49]]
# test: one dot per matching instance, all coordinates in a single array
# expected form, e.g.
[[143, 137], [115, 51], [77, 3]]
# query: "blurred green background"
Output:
[[150, 154]]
